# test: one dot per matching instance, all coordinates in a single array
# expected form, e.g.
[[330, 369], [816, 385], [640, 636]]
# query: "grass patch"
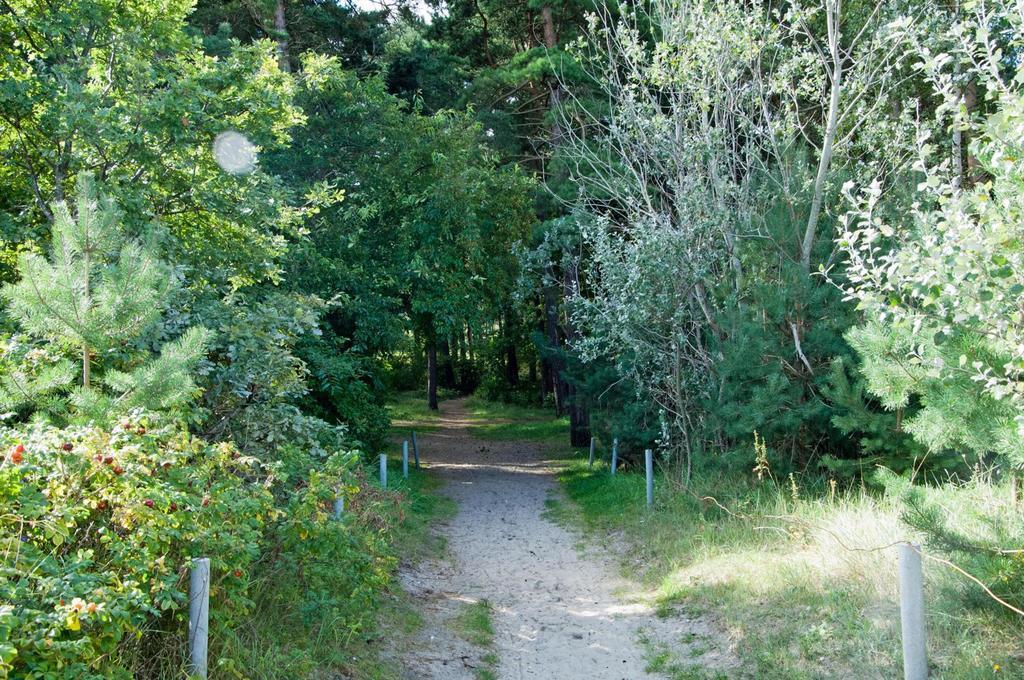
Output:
[[665, 661], [474, 624], [509, 422], [409, 411], [773, 573]]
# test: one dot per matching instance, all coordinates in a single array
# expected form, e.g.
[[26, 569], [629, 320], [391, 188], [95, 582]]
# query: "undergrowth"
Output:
[[803, 581], [282, 641]]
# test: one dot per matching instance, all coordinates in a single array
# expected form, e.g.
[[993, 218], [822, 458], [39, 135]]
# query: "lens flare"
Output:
[[234, 153]]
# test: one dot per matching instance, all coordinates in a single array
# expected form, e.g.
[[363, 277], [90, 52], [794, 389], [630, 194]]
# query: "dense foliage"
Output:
[[710, 227], [216, 240]]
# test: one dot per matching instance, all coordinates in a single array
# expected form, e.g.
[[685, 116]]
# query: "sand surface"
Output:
[[560, 610]]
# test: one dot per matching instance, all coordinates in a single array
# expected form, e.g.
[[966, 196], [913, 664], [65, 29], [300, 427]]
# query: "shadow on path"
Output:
[[558, 613]]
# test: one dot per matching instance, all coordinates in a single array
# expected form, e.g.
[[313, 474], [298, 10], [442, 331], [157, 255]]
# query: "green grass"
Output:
[[663, 660], [774, 577], [474, 624], [408, 411], [508, 422]]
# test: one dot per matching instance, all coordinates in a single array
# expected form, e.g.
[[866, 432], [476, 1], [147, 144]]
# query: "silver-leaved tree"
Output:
[[942, 291]]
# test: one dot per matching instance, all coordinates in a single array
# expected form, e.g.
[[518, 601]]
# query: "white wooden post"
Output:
[[615, 454], [405, 459], [339, 507], [591, 452], [915, 653], [199, 617], [649, 464], [383, 470]]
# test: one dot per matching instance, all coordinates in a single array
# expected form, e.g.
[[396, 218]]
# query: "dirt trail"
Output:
[[557, 614]]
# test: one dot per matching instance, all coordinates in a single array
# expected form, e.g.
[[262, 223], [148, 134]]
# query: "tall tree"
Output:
[[123, 91]]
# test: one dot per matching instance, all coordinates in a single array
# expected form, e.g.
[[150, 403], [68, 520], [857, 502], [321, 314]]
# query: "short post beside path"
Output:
[[383, 470], [915, 653], [649, 465], [199, 617]]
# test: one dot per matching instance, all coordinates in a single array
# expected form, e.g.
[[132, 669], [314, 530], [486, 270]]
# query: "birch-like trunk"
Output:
[[833, 12]]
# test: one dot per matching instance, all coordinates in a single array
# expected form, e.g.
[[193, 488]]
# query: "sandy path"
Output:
[[557, 614]]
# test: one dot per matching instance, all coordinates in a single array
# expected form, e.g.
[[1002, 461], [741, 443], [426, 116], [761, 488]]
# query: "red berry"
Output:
[[16, 457], [148, 503], [108, 460], [118, 470], [238, 573], [20, 448], [67, 446], [102, 505], [141, 430], [206, 501], [174, 507]]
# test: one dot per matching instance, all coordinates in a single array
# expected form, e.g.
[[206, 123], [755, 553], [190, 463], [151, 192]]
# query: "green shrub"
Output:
[[101, 526], [99, 529], [343, 388]]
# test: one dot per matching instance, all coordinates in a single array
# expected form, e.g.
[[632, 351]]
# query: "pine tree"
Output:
[[98, 291]]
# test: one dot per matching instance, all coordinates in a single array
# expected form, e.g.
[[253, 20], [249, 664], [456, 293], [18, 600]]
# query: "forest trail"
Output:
[[556, 613]]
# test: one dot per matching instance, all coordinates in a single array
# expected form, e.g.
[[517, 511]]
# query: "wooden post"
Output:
[[415, 450], [915, 653], [383, 470], [615, 454], [199, 617], [405, 459], [591, 452], [339, 507], [649, 464]]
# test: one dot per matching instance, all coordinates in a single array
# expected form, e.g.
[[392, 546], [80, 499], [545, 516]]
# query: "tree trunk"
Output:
[[827, 144], [555, 96], [432, 372], [86, 305], [512, 366], [546, 384], [579, 416], [511, 357], [281, 30], [447, 367], [970, 104], [555, 362]]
